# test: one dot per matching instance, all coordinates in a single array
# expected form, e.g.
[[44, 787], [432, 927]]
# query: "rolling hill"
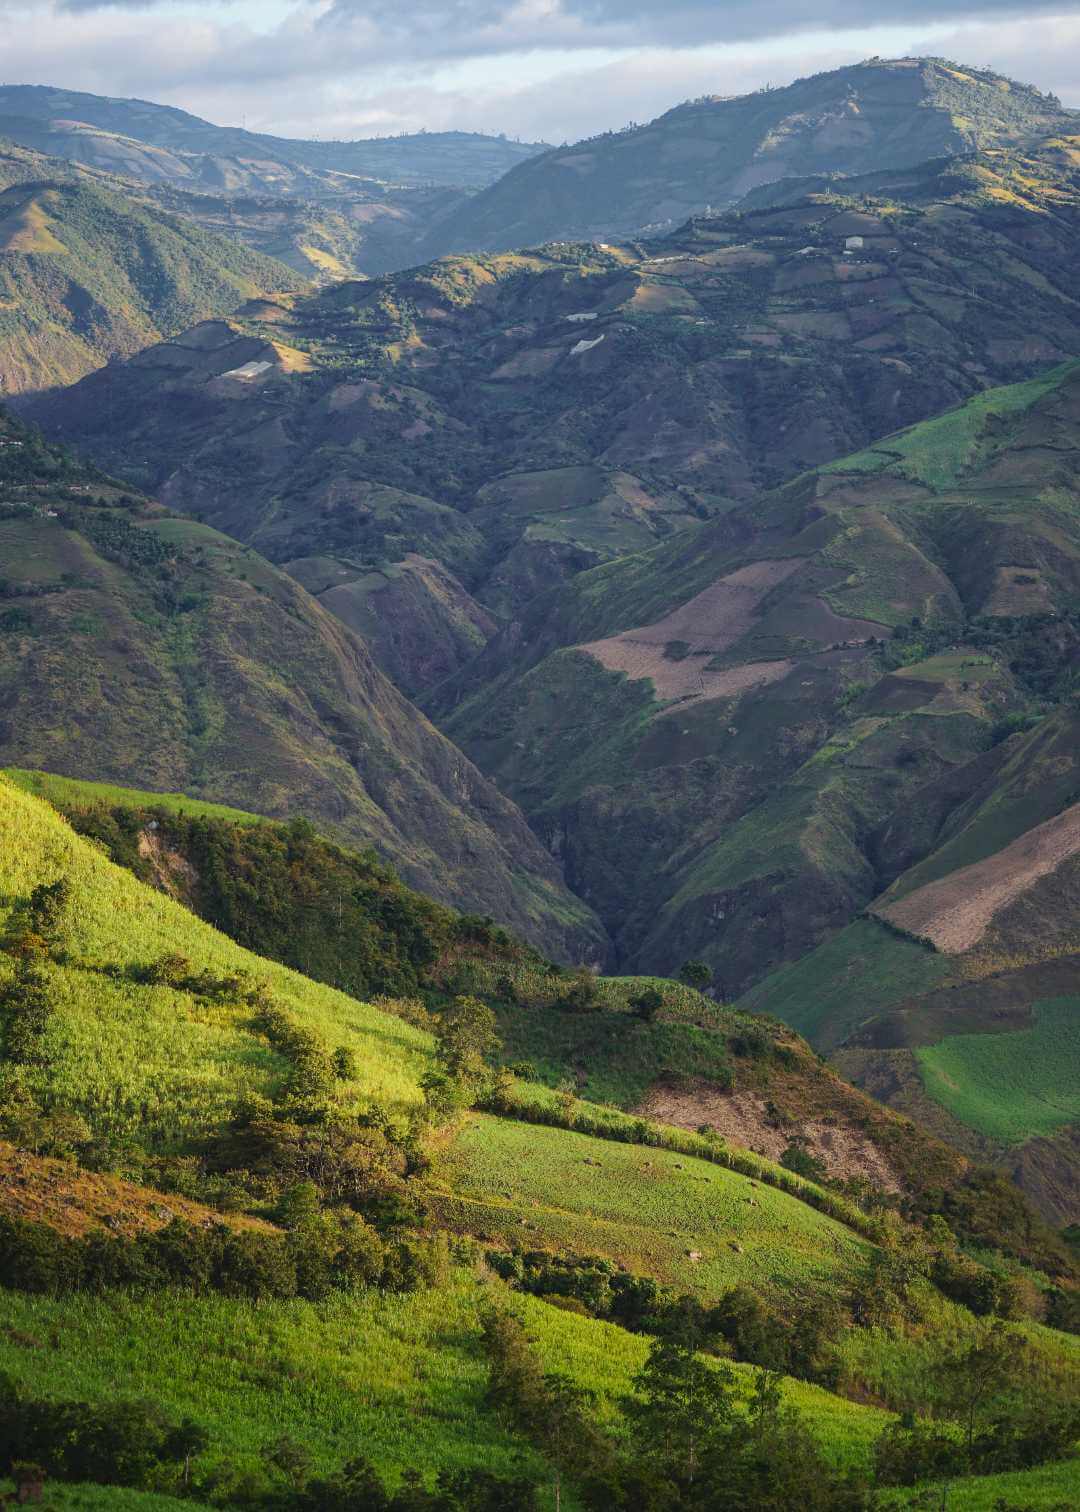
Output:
[[881, 114], [144, 1073], [139, 139], [138, 646], [469, 433], [88, 273], [327, 209]]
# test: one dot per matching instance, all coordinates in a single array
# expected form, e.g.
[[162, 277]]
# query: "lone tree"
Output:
[[696, 974]]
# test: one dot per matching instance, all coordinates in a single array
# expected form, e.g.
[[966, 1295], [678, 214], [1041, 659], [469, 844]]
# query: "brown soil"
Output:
[[708, 623], [76, 1202], [741, 1118], [172, 872], [956, 911]]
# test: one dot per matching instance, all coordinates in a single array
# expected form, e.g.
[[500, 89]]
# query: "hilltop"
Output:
[[472, 432], [87, 273], [881, 114], [116, 135], [142, 647]]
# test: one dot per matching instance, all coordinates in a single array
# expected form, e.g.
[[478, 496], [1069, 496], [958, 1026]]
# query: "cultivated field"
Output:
[[956, 911]]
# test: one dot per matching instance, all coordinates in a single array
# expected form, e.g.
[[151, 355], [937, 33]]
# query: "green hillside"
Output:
[[139, 647], [823, 694], [148, 1054], [463, 437], [88, 274], [881, 114]]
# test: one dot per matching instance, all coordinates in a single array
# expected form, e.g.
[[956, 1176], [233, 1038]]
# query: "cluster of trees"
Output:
[[696, 1439], [319, 1253], [287, 893], [26, 1001], [691, 1441], [135, 1444], [739, 1325]]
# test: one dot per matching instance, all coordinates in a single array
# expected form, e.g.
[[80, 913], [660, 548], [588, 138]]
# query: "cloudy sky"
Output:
[[551, 70]]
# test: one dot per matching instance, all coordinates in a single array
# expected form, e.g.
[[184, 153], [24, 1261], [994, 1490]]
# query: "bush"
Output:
[[910, 1451], [118, 1443], [321, 1254]]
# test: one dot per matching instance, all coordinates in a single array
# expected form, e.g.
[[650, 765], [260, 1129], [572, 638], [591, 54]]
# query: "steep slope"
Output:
[[966, 1014], [517, 419], [88, 273], [726, 739], [337, 916], [341, 227], [141, 647], [875, 115], [150, 1059], [118, 135]]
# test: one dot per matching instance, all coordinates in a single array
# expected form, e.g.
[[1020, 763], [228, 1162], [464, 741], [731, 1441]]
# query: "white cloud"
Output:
[[557, 69]]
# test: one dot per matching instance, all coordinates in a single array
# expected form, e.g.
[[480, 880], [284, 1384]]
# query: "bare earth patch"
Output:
[[741, 1119], [76, 1202], [708, 623], [956, 911]]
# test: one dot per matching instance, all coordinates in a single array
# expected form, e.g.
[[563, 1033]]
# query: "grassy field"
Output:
[[938, 452], [399, 1379], [645, 1208], [70, 790], [149, 1063], [1048, 1488], [850, 978], [1011, 1086], [605, 1358]]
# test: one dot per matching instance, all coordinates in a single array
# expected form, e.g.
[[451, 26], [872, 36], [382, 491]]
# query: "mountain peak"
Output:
[[883, 113]]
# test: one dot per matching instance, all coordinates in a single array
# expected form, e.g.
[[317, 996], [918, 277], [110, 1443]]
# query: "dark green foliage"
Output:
[[549, 1409], [359, 1166], [1003, 1416], [319, 1255], [582, 994], [798, 1158], [695, 1448], [284, 891], [466, 1044], [739, 1323], [647, 1004], [697, 974], [25, 1010], [118, 1443]]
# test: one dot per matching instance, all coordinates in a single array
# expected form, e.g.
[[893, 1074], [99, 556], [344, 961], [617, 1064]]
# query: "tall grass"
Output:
[[147, 1062]]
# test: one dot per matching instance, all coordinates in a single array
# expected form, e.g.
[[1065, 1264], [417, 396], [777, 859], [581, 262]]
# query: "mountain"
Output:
[[88, 273], [327, 209], [138, 646], [882, 114], [473, 432], [737, 742], [342, 227], [188, 1084], [139, 139]]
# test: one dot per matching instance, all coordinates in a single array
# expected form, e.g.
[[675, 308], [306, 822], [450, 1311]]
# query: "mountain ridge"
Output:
[[880, 113]]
